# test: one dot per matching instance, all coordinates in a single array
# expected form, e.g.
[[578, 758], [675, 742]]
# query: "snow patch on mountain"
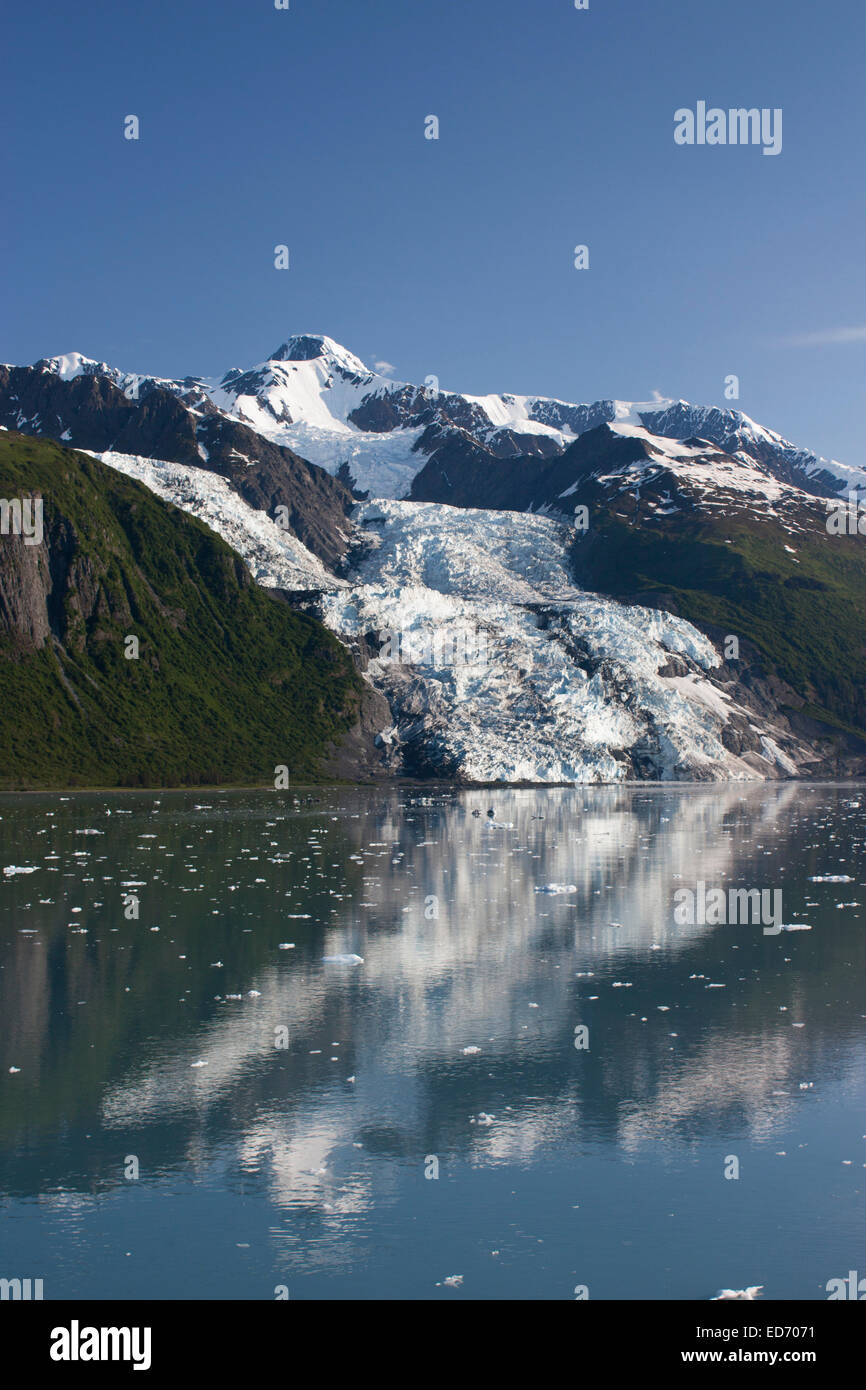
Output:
[[73, 364], [518, 413], [276, 558], [703, 468], [741, 436]]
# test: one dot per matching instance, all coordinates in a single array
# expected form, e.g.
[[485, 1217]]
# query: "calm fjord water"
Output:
[[306, 1165]]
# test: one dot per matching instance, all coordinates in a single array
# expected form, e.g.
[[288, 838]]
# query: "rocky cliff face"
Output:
[[26, 589], [136, 650]]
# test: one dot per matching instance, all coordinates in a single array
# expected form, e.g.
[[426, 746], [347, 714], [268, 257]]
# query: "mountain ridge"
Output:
[[319, 400]]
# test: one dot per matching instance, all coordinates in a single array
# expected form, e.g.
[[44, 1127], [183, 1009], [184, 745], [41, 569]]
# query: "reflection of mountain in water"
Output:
[[105, 1022]]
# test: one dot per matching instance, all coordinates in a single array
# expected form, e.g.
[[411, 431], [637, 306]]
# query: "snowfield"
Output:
[[495, 666]]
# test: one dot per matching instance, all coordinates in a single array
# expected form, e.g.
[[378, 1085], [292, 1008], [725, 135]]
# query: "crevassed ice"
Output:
[[567, 684]]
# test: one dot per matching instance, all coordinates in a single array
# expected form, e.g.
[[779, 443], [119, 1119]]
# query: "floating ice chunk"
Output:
[[752, 1292], [470, 1051], [453, 1281], [198, 1064], [831, 878], [558, 888], [287, 946], [348, 959], [796, 926], [11, 869]]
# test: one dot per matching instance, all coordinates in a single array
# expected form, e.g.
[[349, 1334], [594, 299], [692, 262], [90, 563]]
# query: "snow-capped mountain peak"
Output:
[[309, 347], [69, 365]]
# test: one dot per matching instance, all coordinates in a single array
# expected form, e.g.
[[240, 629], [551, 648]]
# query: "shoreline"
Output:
[[432, 786]]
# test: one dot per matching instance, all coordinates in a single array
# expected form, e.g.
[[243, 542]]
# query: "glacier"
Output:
[[574, 687], [559, 685]]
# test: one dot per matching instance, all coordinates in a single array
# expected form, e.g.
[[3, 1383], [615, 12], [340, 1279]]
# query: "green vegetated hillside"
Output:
[[805, 612], [229, 683]]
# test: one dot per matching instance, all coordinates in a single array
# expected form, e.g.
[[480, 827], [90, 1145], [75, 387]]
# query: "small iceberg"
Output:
[[558, 888], [343, 960], [751, 1293]]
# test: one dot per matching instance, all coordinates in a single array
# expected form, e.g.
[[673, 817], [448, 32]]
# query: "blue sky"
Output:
[[452, 257]]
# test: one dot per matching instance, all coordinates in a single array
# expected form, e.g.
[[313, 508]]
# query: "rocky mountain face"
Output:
[[604, 464]]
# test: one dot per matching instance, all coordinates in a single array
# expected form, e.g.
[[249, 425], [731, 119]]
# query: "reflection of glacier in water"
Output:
[[453, 1040]]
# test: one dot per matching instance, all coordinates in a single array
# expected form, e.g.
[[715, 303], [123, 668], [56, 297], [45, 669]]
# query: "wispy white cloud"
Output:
[[831, 336], [384, 366]]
